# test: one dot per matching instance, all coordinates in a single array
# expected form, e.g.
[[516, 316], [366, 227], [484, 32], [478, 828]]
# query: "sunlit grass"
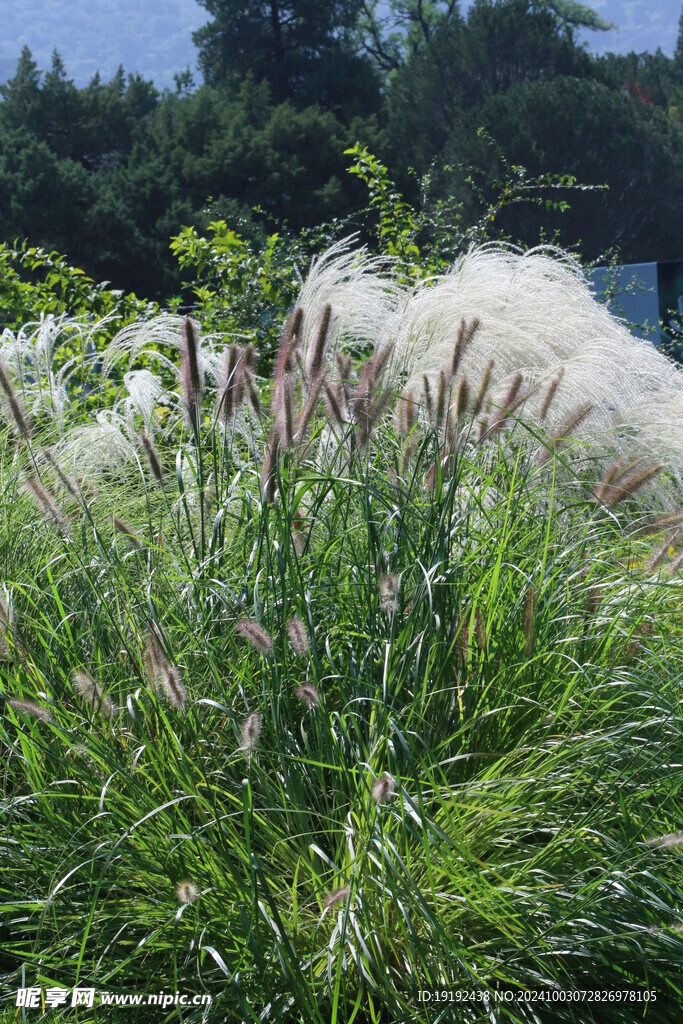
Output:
[[453, 771]]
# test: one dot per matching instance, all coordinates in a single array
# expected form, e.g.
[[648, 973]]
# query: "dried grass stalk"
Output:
[[563, 432], [256, 635], [483, 388], [550, 394], [30, 708], [406, 413], [45, 502], [251, 731], [86, 687], [660, 553], [14, 403], [165, 677], [153, 457], [628, 485], [190, 373], [509, 402]]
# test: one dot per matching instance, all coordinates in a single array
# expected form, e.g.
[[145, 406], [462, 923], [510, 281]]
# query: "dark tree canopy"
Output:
[[600, 135], [108, 172], [304, 49], [678, 55], [467, 62], [21, 95]]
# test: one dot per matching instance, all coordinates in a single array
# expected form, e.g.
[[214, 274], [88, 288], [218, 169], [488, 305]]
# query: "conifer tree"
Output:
[[678, 52], [305, 50]]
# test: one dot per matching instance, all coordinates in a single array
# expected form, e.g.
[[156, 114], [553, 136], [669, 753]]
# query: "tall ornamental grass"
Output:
[[327, 690]]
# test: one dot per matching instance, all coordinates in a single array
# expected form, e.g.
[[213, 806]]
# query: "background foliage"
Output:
[[106, 174]]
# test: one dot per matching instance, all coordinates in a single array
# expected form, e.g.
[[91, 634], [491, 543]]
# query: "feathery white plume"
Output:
[[538, 317], [144, 336], [100, 447], [144, 390], [365, 300], [41, 373]]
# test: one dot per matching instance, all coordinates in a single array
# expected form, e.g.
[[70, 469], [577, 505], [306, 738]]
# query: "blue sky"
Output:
[[155, 36], [641, 25]]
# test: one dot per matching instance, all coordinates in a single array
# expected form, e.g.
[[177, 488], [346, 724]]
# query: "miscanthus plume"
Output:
[[578, 371], [365, 300], [502, 337], [40, 357]]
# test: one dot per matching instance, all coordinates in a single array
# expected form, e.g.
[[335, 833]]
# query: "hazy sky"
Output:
[[641, 25], [155, 36]]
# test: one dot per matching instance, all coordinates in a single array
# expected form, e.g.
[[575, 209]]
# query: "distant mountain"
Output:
[[154, 37]]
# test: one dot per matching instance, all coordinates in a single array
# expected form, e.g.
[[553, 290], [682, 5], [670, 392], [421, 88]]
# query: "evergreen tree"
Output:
[[678, 53], [21, 103], [601, 136], [61, 111], [305, 50], [467, 62], [395, 30]]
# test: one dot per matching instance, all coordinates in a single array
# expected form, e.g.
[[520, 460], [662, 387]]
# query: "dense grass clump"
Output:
[[311, 712]]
